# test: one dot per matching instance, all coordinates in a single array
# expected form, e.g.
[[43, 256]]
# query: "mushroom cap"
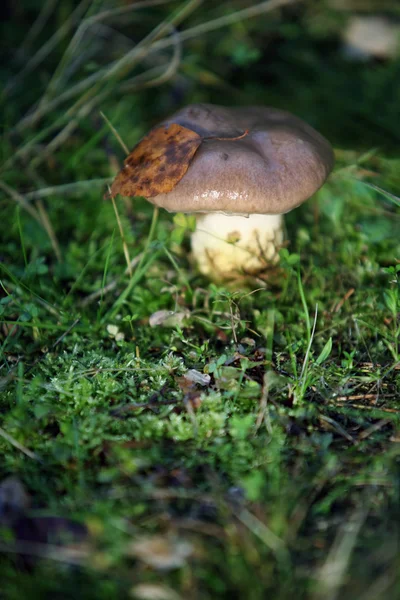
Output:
[[279, 164]]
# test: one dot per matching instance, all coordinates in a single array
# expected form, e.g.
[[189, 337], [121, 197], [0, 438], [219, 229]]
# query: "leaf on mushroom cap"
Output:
[[277, 166], [157, 162]]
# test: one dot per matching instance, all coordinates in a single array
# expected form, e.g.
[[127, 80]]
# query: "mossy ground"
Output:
[[279, 477]]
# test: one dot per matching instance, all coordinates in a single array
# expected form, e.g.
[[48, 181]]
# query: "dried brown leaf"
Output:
[[157, 163], [161, 552], [194, 376], [168, 318], [154, 591]]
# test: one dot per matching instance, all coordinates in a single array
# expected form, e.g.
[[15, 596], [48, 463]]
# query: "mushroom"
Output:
[[371, 36], [241, 187]]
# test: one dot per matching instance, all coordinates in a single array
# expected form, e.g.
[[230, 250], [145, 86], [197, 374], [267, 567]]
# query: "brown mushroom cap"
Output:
[[279, 164]]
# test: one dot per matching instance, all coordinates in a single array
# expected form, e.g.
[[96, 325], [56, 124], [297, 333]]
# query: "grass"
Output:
[[273, 468]]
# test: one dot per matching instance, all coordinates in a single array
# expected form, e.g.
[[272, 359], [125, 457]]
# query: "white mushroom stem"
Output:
[[227, 246]]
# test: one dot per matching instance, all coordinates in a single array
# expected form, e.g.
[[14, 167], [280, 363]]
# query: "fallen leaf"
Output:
[[157, 162], [154, 591], [248, 342], [168, 318], [187, 384], [161, 552], [196, 377]]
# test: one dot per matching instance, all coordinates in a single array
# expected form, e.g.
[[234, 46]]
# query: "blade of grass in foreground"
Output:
[[140, 269], [391, 197]]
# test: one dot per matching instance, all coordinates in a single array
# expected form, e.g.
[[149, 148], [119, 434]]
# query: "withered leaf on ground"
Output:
[[157, 162], [154, 591], [163, 553], [168, 318], [193, 376]]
